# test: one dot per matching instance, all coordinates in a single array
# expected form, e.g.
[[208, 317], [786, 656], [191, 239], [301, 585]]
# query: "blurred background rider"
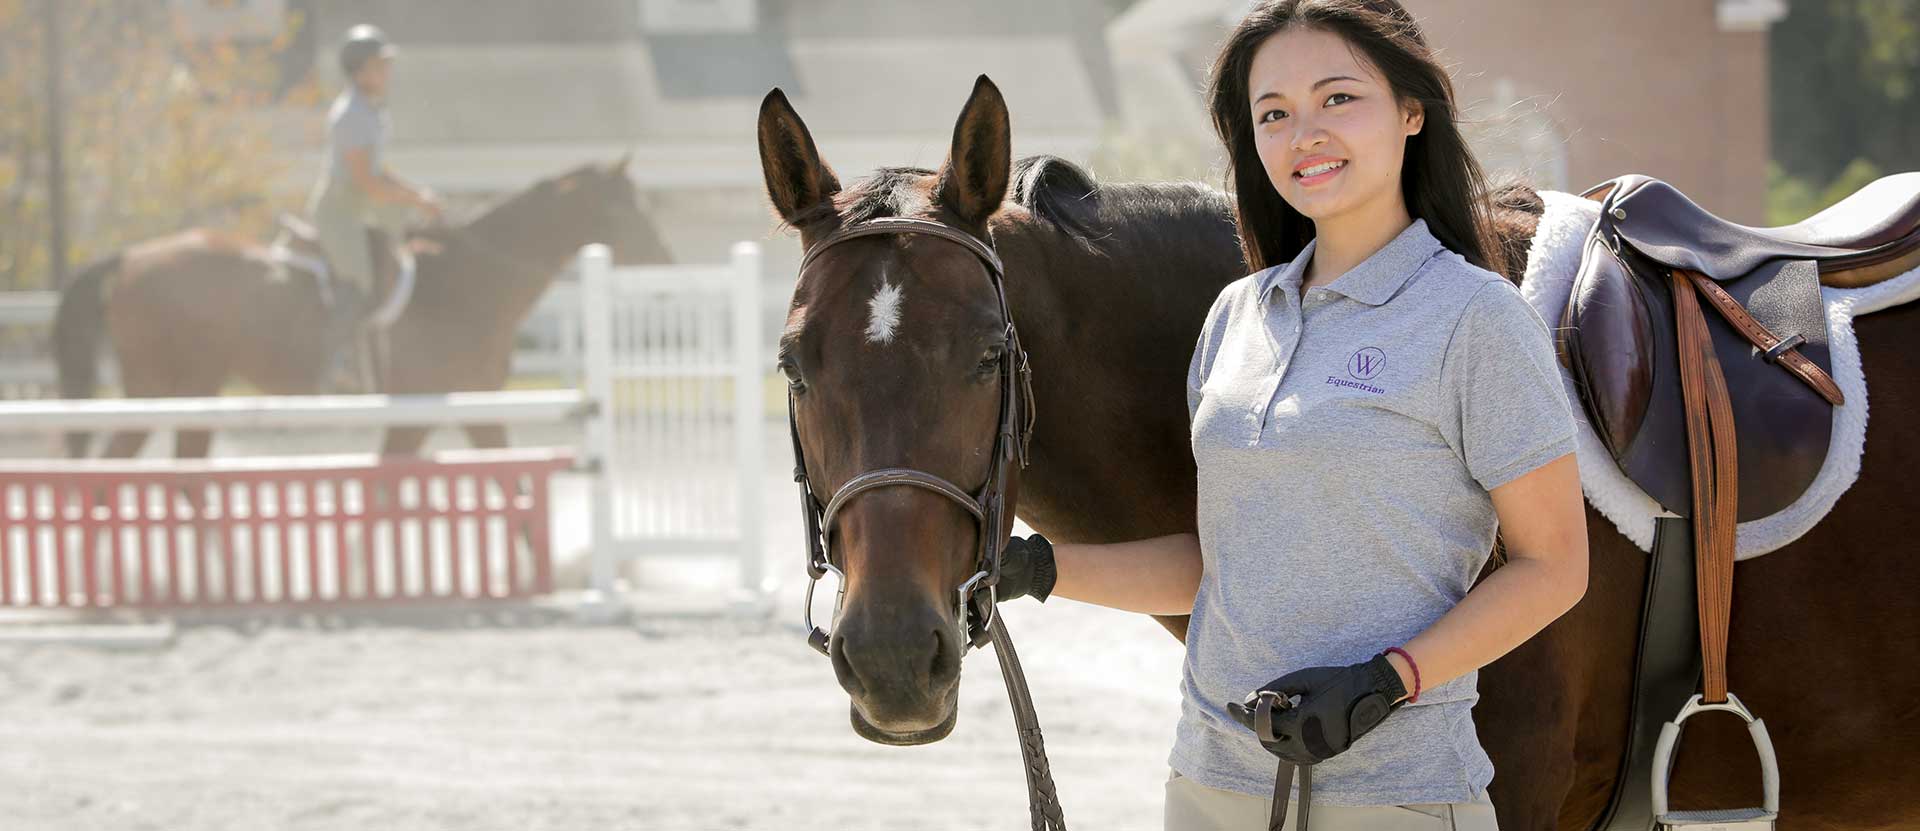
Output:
[[357, 193]]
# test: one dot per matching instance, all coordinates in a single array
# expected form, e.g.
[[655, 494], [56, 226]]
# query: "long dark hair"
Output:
[[1440, 179]]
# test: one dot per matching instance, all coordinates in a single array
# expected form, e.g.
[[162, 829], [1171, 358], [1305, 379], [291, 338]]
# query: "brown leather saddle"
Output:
[[1620, 341], [1720, 418], [302, 237]]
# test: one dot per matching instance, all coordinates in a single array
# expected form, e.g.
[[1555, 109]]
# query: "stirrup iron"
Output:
[[1733, 819]]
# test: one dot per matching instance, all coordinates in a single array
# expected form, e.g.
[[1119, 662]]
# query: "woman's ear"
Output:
[[1416, 117]]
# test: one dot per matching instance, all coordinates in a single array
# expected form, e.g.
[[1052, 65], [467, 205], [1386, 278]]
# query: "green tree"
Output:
[[1790, 200], [1845, 92]]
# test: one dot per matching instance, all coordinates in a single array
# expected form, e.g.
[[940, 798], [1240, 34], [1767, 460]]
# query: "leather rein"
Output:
[[976, 596]]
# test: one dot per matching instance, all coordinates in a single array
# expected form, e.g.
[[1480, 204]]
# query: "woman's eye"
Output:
[[1272, 115], [1339, 95]]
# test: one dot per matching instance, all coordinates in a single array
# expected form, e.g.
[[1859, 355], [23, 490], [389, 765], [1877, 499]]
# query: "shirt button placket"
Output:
[[1286, 343]]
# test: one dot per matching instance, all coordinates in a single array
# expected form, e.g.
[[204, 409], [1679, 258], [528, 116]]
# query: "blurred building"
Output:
[[1563, 93], [490, 95]]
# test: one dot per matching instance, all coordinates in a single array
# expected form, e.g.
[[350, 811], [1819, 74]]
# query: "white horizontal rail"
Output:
[[533, 364], [677, 280], [516, 407], [555, 317], [18, 307], [248, 464], [25, 307]]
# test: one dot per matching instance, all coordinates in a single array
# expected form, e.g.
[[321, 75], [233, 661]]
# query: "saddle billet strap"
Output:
[[1766, 341], [1712, 460], [1666, 670]]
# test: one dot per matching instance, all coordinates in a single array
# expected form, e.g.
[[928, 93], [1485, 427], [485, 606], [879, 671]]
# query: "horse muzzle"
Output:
[[903, 678]]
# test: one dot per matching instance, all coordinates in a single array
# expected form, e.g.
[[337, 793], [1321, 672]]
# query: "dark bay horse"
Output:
[[190, 312], [1108, 286]]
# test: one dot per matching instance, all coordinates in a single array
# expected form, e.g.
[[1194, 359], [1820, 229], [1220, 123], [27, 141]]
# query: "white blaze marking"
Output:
[[885, 307]]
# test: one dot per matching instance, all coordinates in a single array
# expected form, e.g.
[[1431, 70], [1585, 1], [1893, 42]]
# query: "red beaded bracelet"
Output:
[[1415, 697]]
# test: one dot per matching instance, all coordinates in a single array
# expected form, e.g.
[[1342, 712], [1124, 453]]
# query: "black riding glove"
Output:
[[1026, 568], [1337, 706]]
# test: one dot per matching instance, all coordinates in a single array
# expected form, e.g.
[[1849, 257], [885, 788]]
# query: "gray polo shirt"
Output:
[[1346, 442], [355, 121]]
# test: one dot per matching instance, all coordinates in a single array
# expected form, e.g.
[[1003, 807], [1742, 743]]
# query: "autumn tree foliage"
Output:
[[165, 129]]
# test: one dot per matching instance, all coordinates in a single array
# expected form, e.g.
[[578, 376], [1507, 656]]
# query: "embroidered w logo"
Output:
[[1366, 363]]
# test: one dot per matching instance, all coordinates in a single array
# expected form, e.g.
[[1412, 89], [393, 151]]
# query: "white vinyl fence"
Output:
[[671, 365], [673, 360]]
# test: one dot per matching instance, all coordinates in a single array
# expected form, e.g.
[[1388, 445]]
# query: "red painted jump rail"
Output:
[[318, 531]]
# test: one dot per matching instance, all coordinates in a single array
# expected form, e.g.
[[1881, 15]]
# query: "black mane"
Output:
[[890, 191], [1058, 192], [1065, 196]]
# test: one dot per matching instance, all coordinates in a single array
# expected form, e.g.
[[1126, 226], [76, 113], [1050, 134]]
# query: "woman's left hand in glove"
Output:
[[1337, 706]]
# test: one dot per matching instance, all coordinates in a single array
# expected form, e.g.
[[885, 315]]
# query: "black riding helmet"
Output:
[[363, 42]]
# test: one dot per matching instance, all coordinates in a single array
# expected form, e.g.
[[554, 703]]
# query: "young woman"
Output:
[[1367, 408]]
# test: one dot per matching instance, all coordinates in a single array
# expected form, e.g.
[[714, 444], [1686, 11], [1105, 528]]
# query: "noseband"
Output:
[[987, 505], [977, 621]]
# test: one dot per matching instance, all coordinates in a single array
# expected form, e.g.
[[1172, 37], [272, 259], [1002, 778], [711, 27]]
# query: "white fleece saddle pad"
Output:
[[1551, 265]]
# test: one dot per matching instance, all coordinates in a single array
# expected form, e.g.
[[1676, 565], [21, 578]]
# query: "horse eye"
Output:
[[792, 371], [990, 362]]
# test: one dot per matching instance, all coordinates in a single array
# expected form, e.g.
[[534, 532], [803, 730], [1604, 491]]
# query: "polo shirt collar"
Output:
[[1377, 278]]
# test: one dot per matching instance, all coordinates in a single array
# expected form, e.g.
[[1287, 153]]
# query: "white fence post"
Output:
[[596, 311], [749, 413], [568, 329]]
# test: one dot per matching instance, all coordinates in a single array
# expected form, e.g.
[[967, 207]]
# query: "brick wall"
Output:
[[1630, 86]]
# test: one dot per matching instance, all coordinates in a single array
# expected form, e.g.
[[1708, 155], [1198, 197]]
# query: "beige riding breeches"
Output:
[[1192, 806]]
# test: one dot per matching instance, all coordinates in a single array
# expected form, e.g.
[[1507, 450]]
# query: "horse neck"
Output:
[[1141, 285], [1146, 297], [523, 247]]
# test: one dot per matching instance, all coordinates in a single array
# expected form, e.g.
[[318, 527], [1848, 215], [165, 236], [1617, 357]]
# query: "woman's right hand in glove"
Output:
[[1026, 568]]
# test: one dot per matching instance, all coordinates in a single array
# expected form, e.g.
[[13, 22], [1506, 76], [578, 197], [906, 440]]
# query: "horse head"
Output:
[[897, 355]]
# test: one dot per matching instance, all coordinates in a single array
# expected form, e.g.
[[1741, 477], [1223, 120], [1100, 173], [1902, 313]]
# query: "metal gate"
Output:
[[673, 361]]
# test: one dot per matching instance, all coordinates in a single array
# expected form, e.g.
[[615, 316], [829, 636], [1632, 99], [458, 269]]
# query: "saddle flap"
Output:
[[1607, 343], [1618, 341]]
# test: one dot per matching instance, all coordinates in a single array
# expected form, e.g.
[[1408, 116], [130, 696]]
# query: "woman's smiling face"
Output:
[[1319, 108]]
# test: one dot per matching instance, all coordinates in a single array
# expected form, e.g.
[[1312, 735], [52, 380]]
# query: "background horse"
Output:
[[1108, 286], [190, 312]]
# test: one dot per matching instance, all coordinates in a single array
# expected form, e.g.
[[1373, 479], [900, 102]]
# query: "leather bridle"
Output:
[[977, 620], [987, 505]]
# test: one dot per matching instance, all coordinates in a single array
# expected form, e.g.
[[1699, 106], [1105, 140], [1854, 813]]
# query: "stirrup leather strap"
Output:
[[1712, 460]]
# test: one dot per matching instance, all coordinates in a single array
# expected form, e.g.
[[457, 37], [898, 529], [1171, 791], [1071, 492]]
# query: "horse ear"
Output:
[[796, 177], [973, 182], [619, 166]]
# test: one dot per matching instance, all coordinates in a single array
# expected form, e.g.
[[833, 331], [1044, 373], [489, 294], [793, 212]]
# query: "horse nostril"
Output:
[[946, 659], [837, 648]]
